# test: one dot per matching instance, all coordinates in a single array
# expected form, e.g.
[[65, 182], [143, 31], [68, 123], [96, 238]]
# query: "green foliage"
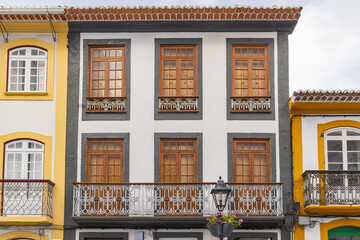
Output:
[[221, 218]]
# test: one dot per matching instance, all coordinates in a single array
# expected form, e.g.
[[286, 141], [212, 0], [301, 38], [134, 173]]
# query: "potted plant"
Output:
[[221, 225]]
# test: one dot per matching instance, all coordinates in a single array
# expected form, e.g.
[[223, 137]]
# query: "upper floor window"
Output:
[[27, 70], [250, 78], [178, 71], [342, 147], [178, 160], [251, 160], [178, 78], [105, 161], [24, 159], [106, 78]]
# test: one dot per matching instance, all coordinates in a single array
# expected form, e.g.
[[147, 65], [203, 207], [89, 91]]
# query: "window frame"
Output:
[[178, 154], [343, 138], [251, 159], [178, 60], [183, 114], [250, 80], [106, 78], [28, 59], [105, 159], [25, 151]]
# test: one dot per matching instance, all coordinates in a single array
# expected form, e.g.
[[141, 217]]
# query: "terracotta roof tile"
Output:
[[162, 13], [326, 96]]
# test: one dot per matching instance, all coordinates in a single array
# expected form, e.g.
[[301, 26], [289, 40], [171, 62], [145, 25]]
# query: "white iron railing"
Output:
[[159, 199]]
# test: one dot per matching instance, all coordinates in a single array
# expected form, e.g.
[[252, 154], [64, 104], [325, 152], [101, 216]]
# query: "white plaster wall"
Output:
[[310, 141], [142, 125]]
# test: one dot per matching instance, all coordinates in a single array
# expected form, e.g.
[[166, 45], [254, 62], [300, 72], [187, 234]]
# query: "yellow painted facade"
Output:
[[298, 112], [54, 144]]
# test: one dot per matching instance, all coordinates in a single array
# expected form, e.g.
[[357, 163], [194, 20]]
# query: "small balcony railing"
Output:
[[250, 104], [105, 104], [26, 197], [160, 199], [331, 188], [178, 104]]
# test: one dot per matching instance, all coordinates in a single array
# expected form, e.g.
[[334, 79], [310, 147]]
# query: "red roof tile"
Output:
[[326, 96]]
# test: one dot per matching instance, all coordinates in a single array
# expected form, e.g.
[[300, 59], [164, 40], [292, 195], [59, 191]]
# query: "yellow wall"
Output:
[[56, 53], [22, 234], [325, 227]]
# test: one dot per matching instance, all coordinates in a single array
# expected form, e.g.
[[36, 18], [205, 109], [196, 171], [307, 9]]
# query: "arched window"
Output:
[[342, 149], [27, 70], [24, 159]]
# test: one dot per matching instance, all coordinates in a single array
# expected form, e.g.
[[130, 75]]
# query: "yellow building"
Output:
[[33, 102], [326, 164]]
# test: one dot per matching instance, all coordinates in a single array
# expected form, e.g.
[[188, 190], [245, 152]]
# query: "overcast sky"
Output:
[[324, 48]]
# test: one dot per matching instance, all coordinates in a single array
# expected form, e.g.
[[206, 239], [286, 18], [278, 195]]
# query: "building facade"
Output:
[[326, 145], [163, 101], [33, 95]]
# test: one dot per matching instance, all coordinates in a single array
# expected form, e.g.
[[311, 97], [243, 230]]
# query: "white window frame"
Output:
[[25, 151], [344, 138], [27, 58]]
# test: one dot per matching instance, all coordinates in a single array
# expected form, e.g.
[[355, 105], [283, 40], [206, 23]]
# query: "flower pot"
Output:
[[221, 230]]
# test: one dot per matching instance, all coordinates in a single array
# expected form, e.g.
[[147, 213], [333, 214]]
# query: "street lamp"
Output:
[[220, 194]]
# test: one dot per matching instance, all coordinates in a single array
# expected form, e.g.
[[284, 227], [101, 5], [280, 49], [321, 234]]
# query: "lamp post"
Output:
[[221, 194]]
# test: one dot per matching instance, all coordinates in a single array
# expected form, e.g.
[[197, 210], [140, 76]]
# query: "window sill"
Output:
[[26, 93]]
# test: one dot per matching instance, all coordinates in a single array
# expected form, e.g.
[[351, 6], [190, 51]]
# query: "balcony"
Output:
[[26, 198], [250, 104], [105, 104], [332, 192], [162, 202], [178, 104]]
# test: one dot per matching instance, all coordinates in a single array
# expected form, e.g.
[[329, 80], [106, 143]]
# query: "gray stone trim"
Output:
[[250, 115], [90, 235], [106, 116], [284, 125], [178, 115], [71, 131], [160, 235], [158, 136], [85, 136], [265, 235], [183, 26], [271, 136]]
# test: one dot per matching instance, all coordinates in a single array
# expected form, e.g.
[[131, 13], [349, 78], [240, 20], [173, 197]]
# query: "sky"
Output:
[[324, 48]]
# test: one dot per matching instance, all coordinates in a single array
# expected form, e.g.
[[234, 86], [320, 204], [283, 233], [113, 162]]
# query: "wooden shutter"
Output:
[[105, 161]]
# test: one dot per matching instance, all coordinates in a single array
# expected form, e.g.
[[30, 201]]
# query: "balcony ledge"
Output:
[[333, 210], [26, 220], [173, 222]]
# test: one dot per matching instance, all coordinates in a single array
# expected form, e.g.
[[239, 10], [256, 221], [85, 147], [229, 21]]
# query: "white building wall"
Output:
[[142, 125]]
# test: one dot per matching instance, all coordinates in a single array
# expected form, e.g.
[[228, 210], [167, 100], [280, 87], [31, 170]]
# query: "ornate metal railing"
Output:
[[105, 104], [156, 199], [258, 104], [331, 187], [178, 104], [26, 197]]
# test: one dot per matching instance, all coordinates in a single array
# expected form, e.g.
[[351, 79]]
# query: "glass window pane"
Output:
[[337, 133], [334, 145], [353, 156], [335, 167], [352, 133], [334, 157], [353, 145]]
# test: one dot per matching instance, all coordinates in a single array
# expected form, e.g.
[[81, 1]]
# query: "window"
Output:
[[250, 78], [24, 159], [251, 161], [105, 161], [250, 71], [106, 90], [178, 71], [178, 160], [27, 70], [342, 147]]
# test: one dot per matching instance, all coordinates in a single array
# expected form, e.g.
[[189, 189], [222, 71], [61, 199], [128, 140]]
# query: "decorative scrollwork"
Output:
[[178, 104], [331, 187], [173, 199], [250, 104], [28, 198], [106, 105]]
